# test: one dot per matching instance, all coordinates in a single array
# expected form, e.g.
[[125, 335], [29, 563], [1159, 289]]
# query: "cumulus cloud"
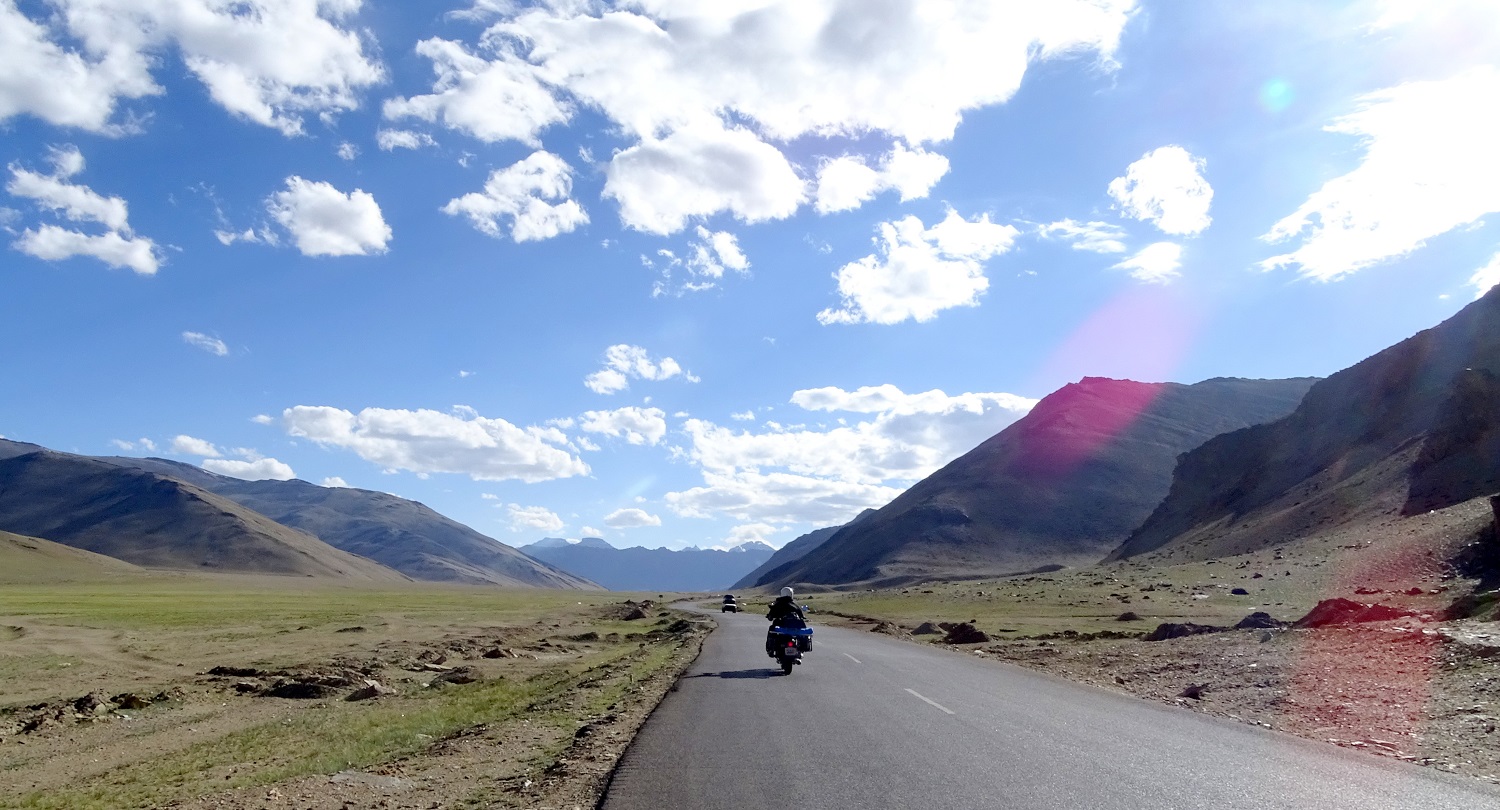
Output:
[[55, 193], [634, 425], [258, 469], [324, 221], [828, 474], [1430, 166], [706, 89], [184, 445], [1155, 263], [1094, 237], [847, 182], [426, 441], [1486, 277], [624, 362], [267, 61], [263, 419], [538, 518], [1166, 188], [347, 151], [334, 481], [390, 140], [661, 183], [212, 345], [532, 194], [630, 519], [918, 271]]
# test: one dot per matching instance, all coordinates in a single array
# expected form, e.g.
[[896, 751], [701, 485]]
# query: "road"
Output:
[[871, 722]]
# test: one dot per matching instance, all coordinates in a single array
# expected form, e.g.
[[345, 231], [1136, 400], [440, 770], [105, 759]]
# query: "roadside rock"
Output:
[[1168, 630], [1259, 620], [1346, 611], [926, 629], [371, 689], [965, 633]]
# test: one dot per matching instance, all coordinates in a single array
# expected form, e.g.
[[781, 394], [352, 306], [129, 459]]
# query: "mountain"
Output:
[[1413, 428], [32, 561], [1063, 485], [404, 535], [652, 569], [795, 550], [159, 522]]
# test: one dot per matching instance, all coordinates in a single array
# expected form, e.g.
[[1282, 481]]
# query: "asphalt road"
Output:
[[870, 722]]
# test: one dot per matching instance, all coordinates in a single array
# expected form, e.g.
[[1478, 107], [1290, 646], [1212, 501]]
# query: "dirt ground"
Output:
[[527, 715]]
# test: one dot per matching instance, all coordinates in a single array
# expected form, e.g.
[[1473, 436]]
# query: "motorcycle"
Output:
[[789, 639]]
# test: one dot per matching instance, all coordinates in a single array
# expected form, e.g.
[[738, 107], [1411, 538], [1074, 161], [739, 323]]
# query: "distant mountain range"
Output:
[[651, 569], [1413, 428], [168, 515], [793, 551], [1062, 486]]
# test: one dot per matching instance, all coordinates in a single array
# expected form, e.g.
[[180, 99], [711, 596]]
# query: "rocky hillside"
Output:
[[402, 534], [651, 569], [159, 522], [1062, 486], [794, 551], [1412, 429], [31, 561]]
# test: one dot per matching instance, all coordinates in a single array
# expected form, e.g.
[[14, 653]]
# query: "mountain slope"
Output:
[[158, 522], [1413, 428], [1063, 485], [31, 561], [653, 569], [402, 534], [795, 550]]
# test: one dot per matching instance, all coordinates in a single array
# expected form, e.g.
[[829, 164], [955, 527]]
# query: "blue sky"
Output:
[[696, 273]]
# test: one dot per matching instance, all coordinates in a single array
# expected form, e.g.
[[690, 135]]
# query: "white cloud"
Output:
[[1095, 237], [264, 236], [707, 259], [390, 140], [705, 89], [347, 151], [749, 533], [327, 222], [262, 419], [697, 172], [918, 272], [533, 517], [425, 441], [634, 425], [827, 475], [184, 445], [847, 182], [212, 345], [533, 194], [334, 481], [1166, 188], [590, 531], [259, 469], [268, 61], [1430, 166], [51, 243], [630, 519], [743, 416], [1156, 263], [118, 247], [143, 444], [622, 362], [1486, 277]]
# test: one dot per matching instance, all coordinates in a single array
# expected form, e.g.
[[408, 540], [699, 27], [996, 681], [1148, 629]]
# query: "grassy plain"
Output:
[[556, 660]]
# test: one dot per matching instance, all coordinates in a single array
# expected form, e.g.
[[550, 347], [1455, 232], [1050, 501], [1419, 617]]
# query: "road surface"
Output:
[[871, 722]]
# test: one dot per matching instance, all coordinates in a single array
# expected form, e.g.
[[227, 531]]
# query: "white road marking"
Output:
[[929, 701], [852, 658]]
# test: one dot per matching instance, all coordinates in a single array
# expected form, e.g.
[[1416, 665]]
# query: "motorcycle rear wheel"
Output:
[[786, 666]]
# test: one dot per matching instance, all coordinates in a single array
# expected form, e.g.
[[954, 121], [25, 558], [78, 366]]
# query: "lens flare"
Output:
[[1276, 95]]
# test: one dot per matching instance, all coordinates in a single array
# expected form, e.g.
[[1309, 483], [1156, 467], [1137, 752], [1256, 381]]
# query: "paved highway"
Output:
[[870, 722]]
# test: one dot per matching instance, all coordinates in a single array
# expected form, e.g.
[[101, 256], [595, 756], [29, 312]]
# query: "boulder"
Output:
[[1128, 616], [371, 689], [1259, 620], [1346, 611], [1167, 630], [926, 629], [965, 633], [1239, 592]]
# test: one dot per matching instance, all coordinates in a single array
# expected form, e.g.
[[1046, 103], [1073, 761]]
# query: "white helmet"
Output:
[[786, 591]]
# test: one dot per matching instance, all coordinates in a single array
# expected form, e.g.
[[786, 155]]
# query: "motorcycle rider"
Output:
[[782, 609]]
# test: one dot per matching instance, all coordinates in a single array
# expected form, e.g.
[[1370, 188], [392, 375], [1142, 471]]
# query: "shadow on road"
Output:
[[741, 673]]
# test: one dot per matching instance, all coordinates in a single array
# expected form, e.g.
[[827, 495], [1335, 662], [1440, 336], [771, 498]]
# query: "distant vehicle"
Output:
[[730, 605], [790, 639]]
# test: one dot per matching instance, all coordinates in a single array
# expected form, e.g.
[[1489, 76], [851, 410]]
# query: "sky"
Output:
[[700, 272]]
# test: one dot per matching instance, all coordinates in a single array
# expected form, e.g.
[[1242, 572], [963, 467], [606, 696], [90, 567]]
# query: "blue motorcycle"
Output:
[[789, 639]]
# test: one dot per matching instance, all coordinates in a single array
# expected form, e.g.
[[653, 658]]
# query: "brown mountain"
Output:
[[159, 522], [1063, 485], [32, 561], [1413, 428], [405, 535]]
